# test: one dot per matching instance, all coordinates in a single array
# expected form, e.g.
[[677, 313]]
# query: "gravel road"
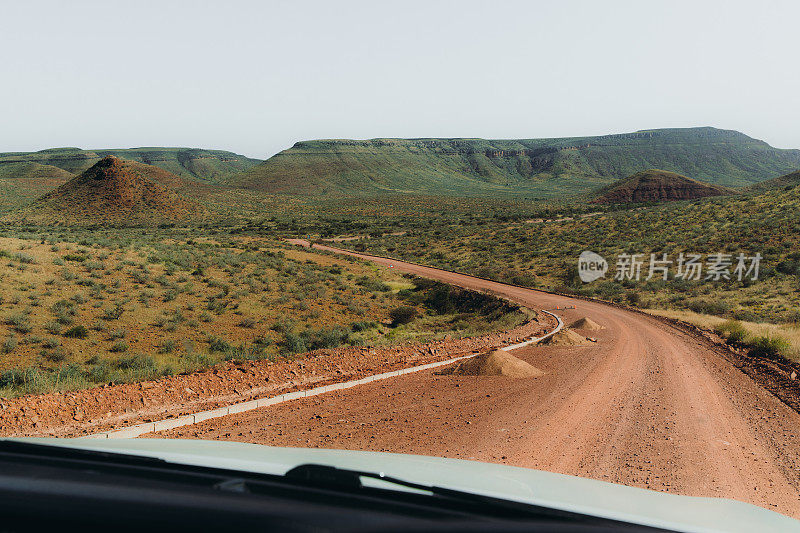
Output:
[[648, 405]]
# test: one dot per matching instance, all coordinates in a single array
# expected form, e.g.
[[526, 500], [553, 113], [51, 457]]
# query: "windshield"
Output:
[[562, 236]]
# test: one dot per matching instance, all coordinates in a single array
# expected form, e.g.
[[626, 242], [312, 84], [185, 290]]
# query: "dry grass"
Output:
[[789, 333]]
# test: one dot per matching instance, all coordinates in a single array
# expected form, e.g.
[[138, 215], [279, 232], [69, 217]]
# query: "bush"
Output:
[[24, 258], [708, 307], [402, 315], [10, 344], [57, 355], [63, 307], [168, 346], [215, 344], [193, 361], [51, 343], [54, 327], [247, 323], [136, 362], [293, 343], [119, 347], [99, 372], [113, 314], [733, 331], [77, 332], [324, 338], [769, 347], [19, 323], [373, 285], [363, 325]]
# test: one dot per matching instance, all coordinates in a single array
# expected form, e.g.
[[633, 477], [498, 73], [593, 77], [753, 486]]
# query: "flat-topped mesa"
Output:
[[542, 168]]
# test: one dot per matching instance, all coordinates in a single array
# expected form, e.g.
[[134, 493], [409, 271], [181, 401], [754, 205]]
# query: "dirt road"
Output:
[[648, 405]]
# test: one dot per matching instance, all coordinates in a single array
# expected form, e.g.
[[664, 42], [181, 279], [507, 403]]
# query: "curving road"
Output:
[[648, 405]]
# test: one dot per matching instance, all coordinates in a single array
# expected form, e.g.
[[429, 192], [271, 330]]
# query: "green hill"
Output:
[[656, 185], [21, 183], [785, 181], [541, 167], [207, 165]]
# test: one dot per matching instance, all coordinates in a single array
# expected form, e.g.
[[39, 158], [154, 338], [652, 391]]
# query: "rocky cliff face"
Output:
[[658, 186]]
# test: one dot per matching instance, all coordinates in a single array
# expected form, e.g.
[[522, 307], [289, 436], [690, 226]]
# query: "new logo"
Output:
[[591, 266]]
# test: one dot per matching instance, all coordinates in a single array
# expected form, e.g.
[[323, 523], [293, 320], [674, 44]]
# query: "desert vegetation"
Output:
[[79, 307], [540, 249]]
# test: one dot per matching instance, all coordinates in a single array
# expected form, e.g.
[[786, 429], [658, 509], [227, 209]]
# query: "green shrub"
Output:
[[402, 315], [136, 362], [168, 346], [51, 343], [193, 361], [57, 355], [24, 258], [373, 285], [20, 323], [113, 314], [769, 347], [247, 323], [215, 344], [733, 331], [10, 344], [119, 347], [315, 339], [709, 307], [77, 332], [363, 325], [99, 371], [293, 343]]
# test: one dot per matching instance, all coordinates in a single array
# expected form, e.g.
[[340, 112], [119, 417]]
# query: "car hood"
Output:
[[547, 489]]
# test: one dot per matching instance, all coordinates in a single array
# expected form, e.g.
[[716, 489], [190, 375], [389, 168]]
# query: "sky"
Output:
[[254, 77]]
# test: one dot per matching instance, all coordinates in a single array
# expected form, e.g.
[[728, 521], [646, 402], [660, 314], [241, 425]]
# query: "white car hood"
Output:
[[568, 493]]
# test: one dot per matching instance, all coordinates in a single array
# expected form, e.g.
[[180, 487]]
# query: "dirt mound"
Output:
[[587, 324], [113, 191], [495, 363], [656, 186], [566, 337]]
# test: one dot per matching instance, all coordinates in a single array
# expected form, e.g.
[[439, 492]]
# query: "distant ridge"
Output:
[[196, 163], [540, 167], [656, 185], [21, 183], [113, 191]]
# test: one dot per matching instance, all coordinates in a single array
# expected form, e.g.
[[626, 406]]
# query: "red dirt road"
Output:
[[648, 405]]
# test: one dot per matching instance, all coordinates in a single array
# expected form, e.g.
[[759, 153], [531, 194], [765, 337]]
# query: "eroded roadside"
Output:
[[78, 413]]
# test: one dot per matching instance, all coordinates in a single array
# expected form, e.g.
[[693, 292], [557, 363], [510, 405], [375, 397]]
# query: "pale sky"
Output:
[[255, 77]]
